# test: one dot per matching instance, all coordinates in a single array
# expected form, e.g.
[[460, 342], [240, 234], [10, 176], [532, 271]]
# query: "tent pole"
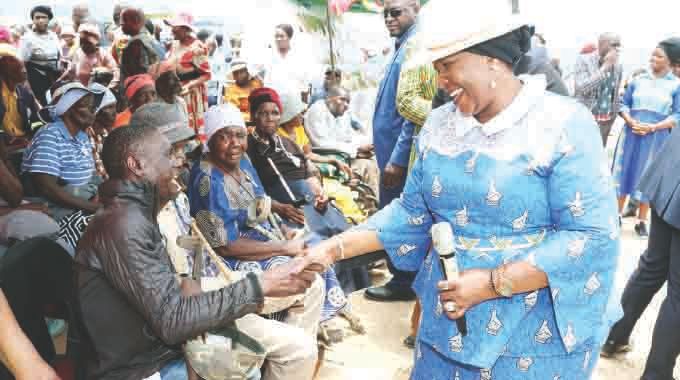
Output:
[[330, 35]]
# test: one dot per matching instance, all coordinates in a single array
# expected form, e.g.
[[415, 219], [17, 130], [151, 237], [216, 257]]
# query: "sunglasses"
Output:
[[393, 12]]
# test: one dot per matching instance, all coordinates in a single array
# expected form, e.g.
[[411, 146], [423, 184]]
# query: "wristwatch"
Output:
[[502, 284]]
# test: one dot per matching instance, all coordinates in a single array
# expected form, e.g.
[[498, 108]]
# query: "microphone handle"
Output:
[[450, 274]]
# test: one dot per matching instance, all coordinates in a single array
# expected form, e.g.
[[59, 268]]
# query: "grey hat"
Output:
[[168, 118]]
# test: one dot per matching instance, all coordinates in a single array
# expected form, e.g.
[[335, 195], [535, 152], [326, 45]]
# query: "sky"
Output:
[[567, 25]]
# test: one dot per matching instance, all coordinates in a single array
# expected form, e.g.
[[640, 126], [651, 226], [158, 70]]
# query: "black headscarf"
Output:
[[508, 48], [672, 48], [42, 9]]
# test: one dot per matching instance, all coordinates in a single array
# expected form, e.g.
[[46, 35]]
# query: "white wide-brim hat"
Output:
[[448, 27]]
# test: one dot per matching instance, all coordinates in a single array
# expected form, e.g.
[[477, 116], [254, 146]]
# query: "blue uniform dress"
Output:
[[220, 206], [530, 185], [648, 99], [392, 133]]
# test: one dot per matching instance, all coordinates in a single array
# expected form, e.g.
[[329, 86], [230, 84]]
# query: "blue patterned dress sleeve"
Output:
[[210, 207], [403, 226], [580, 257]]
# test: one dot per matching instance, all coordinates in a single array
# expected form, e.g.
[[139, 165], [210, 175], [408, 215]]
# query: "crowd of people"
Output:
[[204, 205]]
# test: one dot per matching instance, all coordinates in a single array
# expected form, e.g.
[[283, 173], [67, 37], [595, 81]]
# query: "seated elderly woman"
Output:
[[231, 208], [287, 174], [58, 164], [139, 90]]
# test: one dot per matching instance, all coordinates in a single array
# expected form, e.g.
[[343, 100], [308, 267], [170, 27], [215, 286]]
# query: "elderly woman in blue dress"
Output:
[[519, 178], [232, 210], [651, 107]]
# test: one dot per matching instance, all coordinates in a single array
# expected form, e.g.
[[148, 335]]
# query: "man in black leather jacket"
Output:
[[128, 299]]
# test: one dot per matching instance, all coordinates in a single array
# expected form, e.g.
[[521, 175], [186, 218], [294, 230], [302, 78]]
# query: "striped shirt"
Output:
[[55, 152]]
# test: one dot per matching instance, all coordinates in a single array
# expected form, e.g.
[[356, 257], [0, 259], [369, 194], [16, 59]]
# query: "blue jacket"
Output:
[[392, 133]]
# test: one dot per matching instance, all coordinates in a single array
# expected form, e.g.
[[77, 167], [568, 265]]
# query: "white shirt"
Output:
[[43, 49], [330, 132]]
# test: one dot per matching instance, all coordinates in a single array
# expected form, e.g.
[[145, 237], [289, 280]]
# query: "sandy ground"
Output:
[[380, 354]]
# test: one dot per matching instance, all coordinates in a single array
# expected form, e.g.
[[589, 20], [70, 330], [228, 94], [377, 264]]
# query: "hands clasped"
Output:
[[297, 275]]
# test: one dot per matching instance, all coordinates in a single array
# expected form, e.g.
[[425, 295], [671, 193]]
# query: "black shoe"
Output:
[[641, 230], [629, 212], [410, 342], [612, 349], [388, 293]]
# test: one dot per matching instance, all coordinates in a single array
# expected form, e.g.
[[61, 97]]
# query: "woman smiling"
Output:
[[519, 178]]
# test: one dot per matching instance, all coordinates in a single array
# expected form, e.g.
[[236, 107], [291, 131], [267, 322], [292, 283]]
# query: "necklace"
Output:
[[240, 183]]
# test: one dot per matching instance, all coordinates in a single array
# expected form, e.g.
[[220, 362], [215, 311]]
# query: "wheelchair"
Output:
[[364, 201]]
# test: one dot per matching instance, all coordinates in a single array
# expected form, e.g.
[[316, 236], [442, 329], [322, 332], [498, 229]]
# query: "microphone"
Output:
[[443, 241]]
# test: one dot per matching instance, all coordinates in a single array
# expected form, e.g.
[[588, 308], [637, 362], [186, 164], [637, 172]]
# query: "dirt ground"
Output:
[[380, 354]]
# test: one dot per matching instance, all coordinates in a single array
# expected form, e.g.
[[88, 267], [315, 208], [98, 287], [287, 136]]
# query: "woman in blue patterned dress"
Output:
[[520, 177], [651, 107], [230, 207]]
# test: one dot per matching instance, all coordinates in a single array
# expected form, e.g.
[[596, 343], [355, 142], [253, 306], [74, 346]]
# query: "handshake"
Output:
[[297, 275]]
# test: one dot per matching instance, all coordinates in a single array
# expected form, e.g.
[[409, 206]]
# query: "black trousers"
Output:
[[660, 263]]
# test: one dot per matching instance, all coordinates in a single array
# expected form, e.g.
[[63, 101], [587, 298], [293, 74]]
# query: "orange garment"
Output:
[[123, 119], [238, 96]]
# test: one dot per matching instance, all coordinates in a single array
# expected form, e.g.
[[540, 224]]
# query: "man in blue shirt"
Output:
[[393, 135]]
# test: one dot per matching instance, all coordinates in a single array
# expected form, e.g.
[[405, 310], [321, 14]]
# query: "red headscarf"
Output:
[[263, 95], [135, 83]]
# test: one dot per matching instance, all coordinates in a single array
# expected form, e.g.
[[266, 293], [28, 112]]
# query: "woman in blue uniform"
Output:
[[651, 107], [520, 177]]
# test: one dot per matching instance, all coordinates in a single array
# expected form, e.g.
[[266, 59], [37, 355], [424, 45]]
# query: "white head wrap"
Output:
[[220, 117]]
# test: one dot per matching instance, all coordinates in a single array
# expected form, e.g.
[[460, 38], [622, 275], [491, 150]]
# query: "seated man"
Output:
[[58, 163], [291, 346], [331, 78], [238, 92], [329, 126], [128, 296]]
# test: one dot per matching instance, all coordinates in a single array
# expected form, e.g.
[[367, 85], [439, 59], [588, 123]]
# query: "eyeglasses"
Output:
[[615, 44], [393, 12]]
